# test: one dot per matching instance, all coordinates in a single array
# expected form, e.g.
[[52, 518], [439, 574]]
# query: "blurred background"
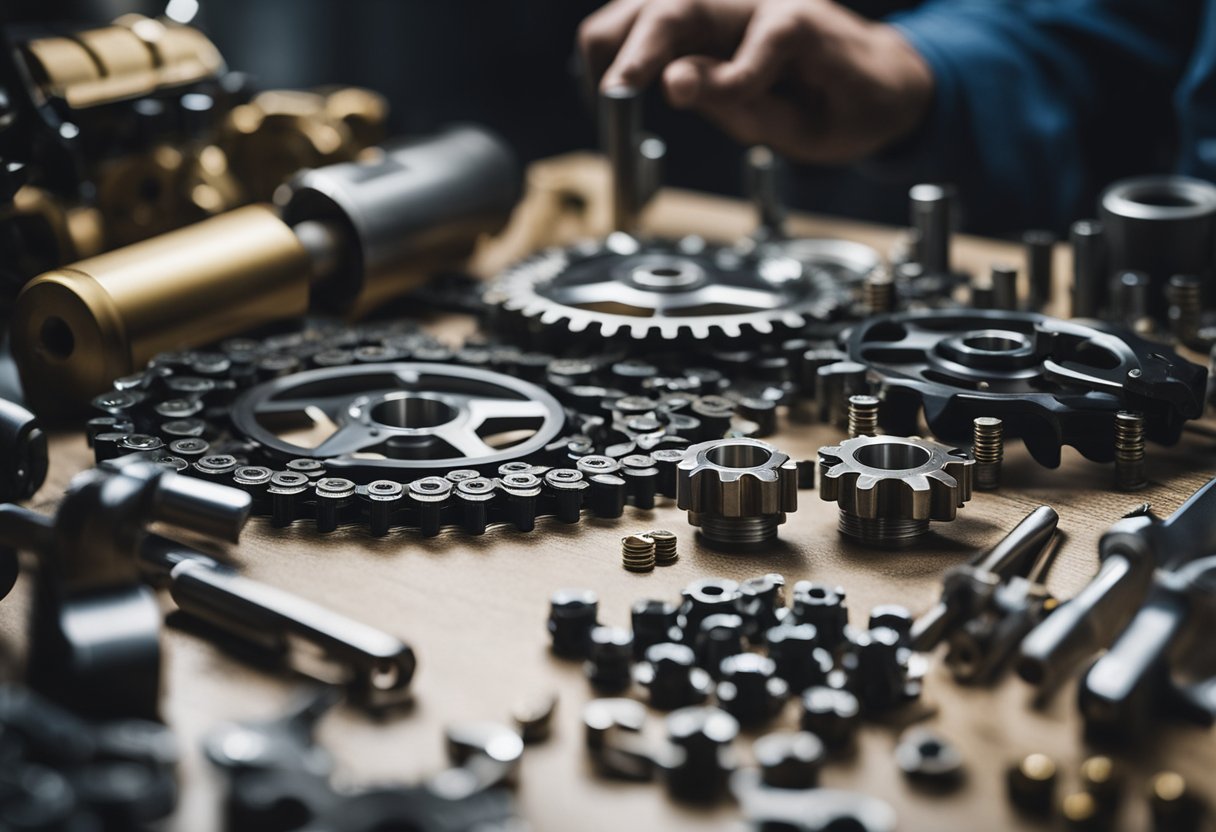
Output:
[[508, 64]]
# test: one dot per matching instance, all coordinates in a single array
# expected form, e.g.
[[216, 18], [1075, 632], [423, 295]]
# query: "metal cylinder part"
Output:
[[77, 328], [1132, 298], [621, 130], [1185, 297], [1161, 225], [405, 210], [1089, 260], [930, 208], [1040, 268], [760, 174], [1004, 287]]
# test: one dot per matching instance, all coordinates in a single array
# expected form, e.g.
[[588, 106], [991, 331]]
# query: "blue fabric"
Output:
[[1039, 103]]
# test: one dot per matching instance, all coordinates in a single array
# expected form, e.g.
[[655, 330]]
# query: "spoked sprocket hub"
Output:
[[401, 417], [655, 291], [1053, 382]]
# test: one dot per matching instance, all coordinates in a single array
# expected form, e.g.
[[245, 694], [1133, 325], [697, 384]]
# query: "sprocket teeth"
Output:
[[885, 478], [524, 290]]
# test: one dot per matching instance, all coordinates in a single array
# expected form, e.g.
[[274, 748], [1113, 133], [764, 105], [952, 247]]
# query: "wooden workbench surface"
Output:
[[474, 609]]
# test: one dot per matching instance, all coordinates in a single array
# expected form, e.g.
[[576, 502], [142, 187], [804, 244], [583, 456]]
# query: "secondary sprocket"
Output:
[[1053, 382]]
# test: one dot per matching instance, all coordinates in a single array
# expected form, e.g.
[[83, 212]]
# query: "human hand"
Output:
[[811, 79]]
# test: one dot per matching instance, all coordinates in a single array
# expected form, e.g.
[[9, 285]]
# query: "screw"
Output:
[[1081, 812], [1173, 805], [1031, 783], [879, 292], [1186, 307], [1100, 778], [988, 448], [1129, 451], [665, 547], [863, 416], [638, 552]]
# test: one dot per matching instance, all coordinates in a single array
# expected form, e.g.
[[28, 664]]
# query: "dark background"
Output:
[[508, 64]]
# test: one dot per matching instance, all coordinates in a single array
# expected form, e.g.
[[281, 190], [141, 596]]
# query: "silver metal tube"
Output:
[[621, 130]]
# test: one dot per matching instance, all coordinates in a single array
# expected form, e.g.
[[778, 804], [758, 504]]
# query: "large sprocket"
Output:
[[656, 292]]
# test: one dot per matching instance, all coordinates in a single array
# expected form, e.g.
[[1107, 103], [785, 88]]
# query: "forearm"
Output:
[[1019, 95]]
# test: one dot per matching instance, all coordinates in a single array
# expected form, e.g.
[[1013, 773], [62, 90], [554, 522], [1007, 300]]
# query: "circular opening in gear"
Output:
[[666, 277], [994, 343], [890, 456], [738, 456], [413, 412], [57, 338]]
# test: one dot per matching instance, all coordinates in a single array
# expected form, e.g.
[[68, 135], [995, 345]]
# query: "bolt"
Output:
[[1081, 812], [1174, 807], [1186, 307], [1100, 778], [1129, 451], [863, 416], [1032, 783], [830, 714], [988, 448], [609, 665], [878, 292], [789, 759], [572, 617], [638, 553], [666, 551]]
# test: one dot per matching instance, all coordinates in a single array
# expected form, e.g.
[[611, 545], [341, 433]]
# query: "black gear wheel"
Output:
[[1053, 382]]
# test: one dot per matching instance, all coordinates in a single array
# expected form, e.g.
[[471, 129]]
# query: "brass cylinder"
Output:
[[77, 328]]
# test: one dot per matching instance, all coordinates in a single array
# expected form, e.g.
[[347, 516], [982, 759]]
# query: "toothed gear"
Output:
[[736, 490], [654, 291], [1052, 382], [888, 488]]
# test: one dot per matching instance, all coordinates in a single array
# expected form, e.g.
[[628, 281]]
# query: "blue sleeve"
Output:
[[1038, 103]]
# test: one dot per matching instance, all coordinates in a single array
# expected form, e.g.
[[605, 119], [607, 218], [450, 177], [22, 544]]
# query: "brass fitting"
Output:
[[77, 328]]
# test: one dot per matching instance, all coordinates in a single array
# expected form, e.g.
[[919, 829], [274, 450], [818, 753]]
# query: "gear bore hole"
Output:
[[890, 456], [738, 456], [413, 412], [994, 343]]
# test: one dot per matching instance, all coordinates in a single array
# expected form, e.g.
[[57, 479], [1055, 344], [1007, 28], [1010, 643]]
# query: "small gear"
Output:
[[1051, 382], [890, 487], [737, 491], [655, 291]]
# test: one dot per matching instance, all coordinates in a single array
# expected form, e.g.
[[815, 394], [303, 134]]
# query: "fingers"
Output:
[[601, 34], [661, 32], [685, 80], [775, 34]]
